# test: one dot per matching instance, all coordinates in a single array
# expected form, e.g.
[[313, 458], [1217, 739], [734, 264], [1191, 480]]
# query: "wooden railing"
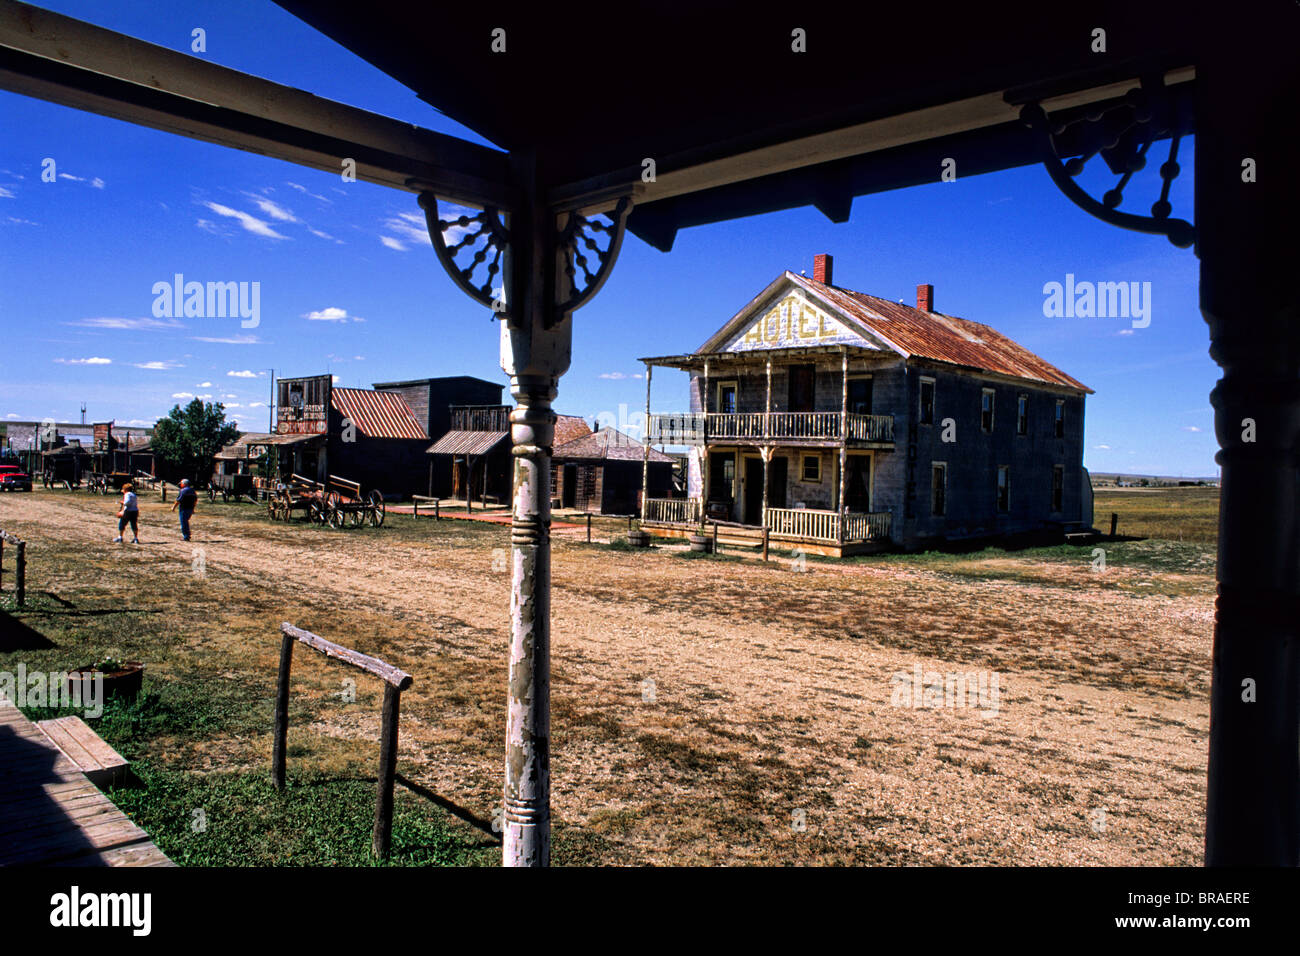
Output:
[[867, 527], [480, 418], [804, 523], [825, 525], [673, 510], [693, 428]]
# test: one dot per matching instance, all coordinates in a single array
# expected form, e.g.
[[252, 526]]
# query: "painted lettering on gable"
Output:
[[793, 322]]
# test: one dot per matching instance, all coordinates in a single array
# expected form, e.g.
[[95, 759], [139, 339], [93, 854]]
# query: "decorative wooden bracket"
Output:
[[1122, 134], [488, 237]]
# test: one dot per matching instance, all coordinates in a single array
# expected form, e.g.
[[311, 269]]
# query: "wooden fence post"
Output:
[[415, 507], [281, 732], [764, 542], [715, 538], [588, 527], [382, 839], [22, 573], [437, 509], [1114, 520]]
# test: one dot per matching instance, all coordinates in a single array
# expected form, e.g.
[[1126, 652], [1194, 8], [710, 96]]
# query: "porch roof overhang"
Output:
[[280, 440], [467, 443], [695, 361]]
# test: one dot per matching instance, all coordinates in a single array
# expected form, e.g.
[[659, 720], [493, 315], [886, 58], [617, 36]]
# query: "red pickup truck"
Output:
[[13, 478]]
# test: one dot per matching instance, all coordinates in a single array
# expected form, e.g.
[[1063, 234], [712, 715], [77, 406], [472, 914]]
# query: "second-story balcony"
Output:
[[775, 427], [480, 418]]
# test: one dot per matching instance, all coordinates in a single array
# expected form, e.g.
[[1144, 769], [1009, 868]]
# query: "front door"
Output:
[[569, 497], [803, 388], [753, 491], [857, 486], [776, 482]]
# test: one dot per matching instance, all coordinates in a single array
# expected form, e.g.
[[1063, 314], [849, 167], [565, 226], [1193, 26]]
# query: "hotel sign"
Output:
[[791, 323]]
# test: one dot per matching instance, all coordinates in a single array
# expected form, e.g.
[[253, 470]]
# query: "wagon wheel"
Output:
[[357, 517], [318, 512], [376, 510], [334, 512]]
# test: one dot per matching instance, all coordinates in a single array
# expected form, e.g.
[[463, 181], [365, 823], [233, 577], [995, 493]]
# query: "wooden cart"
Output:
[[227, 487], [298, 494], [348, 505]]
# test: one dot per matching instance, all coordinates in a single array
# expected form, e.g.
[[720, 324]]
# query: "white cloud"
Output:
[[203, 385], [158, 366], [613, 375], [1124, 332], [250, 222], [332, 313], [229, 396], [412, 227], [21, 222], [6, 194], [12, 415], [334, 379], [1102, 447], [274, 210], [306, 192], [97, 183], [257, 404], [182, 394], [234, 405], [1191, 428], [231, 340], [244, 374], [392, 243], [358, 358], [145, 324], [93, 360]]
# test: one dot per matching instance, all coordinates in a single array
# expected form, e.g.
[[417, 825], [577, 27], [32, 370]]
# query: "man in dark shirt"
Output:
[[185, 501]]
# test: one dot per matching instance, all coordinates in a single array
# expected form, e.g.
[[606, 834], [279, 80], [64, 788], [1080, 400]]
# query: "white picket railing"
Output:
[[673, 510], [825, 525]]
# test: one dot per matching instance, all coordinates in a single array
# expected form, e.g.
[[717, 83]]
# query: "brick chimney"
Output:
[[822, 268], [925, 298]]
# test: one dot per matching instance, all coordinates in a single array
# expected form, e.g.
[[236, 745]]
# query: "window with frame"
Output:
[[1004, 488], [927, 401], [986, 410], [1022, 415], [1058, 487], [727, 398], [812, 468], [1059, 424], [859, 395], [938, 488]]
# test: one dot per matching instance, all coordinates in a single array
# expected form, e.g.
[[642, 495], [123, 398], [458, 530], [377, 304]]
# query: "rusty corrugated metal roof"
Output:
[[942, 338], [466, 443], [606, 444], [568, 428], [376, 414]]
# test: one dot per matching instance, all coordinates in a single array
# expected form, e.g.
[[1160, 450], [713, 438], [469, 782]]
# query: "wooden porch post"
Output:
[[1251, 301], [645, 448], [844, 437], [704, 444]]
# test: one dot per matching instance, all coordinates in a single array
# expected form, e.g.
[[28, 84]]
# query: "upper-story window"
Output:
[[860, 395], [1022, 415], [986, 410], [927, 401], [1004, 488], [1059, 424], [727, 398]]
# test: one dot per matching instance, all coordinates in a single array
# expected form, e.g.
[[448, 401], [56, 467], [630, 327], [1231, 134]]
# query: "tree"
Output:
[[188, 439]]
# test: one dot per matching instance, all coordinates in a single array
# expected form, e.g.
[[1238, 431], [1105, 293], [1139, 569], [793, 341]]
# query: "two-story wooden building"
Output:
[[844, 423]]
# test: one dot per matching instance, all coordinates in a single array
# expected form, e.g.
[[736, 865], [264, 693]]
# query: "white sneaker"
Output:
[[135, 540], [117, 540]]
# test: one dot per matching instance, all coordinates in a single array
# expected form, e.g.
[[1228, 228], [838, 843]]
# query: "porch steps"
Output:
[[102, 765]]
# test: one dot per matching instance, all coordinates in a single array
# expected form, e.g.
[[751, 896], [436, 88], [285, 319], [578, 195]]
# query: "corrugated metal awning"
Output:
[[467, 443]]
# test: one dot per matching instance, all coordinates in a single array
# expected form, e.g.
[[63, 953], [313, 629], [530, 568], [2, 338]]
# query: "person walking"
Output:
[[129, 513], [185, 503]]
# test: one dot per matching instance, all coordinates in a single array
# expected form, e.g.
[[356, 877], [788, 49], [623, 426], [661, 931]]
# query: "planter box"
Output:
[[124, 683]]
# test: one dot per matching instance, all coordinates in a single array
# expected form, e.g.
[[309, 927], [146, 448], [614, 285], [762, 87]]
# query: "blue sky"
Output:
[[132, 207]]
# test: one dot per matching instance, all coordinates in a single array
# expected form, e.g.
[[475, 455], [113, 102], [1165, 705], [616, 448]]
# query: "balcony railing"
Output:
[[480, 418], [694, 428]]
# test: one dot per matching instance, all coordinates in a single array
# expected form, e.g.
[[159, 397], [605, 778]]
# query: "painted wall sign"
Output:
[[792, 322], [304, 404]]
